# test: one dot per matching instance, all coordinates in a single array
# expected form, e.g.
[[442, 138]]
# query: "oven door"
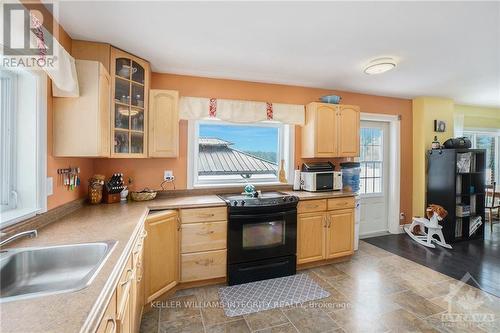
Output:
[[260, 236]]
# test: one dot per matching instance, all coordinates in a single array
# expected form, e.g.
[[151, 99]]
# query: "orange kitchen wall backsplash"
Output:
[[149, 172]]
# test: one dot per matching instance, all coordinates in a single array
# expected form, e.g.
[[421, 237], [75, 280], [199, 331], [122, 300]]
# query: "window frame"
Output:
[[19, 214], [286, 142], [490, 132]]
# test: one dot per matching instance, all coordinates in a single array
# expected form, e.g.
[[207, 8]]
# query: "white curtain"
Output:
[[458, 124], [62, 70], [237, 111]]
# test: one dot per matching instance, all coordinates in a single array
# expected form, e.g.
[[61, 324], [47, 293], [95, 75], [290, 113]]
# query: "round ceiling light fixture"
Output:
[[380, 65]]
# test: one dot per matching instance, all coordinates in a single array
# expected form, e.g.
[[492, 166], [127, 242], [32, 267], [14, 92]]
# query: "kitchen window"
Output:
[[23, 101], [225, 154], [371, 161], [489, 140]]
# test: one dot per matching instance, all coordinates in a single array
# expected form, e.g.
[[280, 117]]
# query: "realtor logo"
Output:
[[466, 305], [23, 30]]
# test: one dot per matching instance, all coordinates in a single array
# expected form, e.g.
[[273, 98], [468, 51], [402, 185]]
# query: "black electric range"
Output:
[[262, 236]]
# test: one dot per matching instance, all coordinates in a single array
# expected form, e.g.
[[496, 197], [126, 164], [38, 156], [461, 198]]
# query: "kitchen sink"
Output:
[[37, 271]]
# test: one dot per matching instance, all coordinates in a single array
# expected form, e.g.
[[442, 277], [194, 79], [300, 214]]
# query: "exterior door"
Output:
[[374, 178]]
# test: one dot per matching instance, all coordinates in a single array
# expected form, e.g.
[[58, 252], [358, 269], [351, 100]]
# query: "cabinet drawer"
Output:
[[108, 321], [198, 237], [203, 214], [340, 203], [124, 283], [310, 206], [203, 265]]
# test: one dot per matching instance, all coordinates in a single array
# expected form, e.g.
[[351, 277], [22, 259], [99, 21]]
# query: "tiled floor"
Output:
[[374, 292]]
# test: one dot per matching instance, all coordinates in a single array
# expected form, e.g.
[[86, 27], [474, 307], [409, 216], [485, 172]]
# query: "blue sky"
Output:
[[246, 138]]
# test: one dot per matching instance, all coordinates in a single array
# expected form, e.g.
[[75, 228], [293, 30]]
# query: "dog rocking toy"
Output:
[[435, 213]]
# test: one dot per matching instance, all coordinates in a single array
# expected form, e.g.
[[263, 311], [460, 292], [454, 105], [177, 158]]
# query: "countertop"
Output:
[[80, 311]]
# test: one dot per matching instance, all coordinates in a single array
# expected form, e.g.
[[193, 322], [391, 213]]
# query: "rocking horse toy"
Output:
[[435, 213]]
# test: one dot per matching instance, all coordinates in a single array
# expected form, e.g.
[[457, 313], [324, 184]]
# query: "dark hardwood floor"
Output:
[[480, 258]]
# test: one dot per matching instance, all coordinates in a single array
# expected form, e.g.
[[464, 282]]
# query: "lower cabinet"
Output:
[[203, 243], [161, 253], [325, 234], [124, 310]]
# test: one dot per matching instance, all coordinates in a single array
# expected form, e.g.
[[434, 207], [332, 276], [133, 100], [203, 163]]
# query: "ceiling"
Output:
[[446, 49]]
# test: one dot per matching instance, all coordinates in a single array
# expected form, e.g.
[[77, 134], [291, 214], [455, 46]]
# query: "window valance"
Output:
[[237, 111]]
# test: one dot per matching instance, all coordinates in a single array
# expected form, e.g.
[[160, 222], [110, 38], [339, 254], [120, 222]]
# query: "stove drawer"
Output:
[[196, 215], [197, 237], [311, 206], [203, 265]]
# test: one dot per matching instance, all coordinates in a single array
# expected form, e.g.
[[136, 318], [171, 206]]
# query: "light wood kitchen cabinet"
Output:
[[339, 233], [108, 321], [203, 243], [81, 124], [310, 238], [130, 78], [331, 131], [161, 253], [163, 123], [325, 234], [348, 133]]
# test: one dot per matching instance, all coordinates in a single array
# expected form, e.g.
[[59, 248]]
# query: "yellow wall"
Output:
[[425, 111], [479, 117]]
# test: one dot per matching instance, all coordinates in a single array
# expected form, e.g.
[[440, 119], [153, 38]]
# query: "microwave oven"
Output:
[[317, 177]]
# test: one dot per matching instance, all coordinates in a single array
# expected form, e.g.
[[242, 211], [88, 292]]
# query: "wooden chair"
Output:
[[491, 202]]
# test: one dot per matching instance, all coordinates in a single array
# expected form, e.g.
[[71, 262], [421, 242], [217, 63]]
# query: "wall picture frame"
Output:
[[439, 126]]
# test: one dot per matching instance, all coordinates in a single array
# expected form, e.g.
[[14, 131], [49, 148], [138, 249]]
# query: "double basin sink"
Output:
[[37, 271]]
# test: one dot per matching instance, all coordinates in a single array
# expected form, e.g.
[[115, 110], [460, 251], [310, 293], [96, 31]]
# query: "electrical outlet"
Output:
[[402, 216], [168, 175], [50, 186]]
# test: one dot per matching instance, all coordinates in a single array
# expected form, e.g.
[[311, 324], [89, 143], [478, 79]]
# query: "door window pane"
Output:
[[371, 160]]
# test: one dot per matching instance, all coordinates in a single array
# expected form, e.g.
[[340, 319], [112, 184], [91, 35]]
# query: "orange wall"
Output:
[[61, 194], [149, 172]]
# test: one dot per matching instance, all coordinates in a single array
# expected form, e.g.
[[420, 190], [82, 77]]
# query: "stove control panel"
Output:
[[253, 202]]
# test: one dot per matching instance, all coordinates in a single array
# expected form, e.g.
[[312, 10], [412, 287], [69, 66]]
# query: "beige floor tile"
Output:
[[352, 320], [149, 321], [416, 304], [404, 321], [182, 325], [264, 319], [179, 307], [284, 328], [329, 272], [215, 315], [336, 301], [309, 319], [238, 326], [373, 250]]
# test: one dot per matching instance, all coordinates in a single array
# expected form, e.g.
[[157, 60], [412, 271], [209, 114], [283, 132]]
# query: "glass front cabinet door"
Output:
[[130, 90]]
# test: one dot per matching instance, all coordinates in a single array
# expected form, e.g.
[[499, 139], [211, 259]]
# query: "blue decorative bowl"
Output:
[[332, 99]]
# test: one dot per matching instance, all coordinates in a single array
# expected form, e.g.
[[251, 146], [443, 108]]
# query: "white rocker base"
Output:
[[426, 239]]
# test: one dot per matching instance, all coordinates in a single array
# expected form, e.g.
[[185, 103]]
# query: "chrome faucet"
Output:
[[29, 233]]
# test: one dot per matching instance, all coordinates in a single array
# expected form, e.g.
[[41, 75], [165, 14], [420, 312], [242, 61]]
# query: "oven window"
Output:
[[262, 235]]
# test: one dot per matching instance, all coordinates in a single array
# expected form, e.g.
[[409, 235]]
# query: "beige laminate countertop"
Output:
[[80, 311]]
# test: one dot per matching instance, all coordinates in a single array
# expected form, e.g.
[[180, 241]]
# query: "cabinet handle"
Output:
[[178, 224], [324, 221], [207, 215], [113, 321], [205, 262], [329, 219], [205, 233], [127, 280], [314, 206]]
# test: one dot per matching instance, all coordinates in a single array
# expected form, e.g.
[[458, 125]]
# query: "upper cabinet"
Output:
[[81, 124], [163, 123], [130, 78], [331, 131]]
